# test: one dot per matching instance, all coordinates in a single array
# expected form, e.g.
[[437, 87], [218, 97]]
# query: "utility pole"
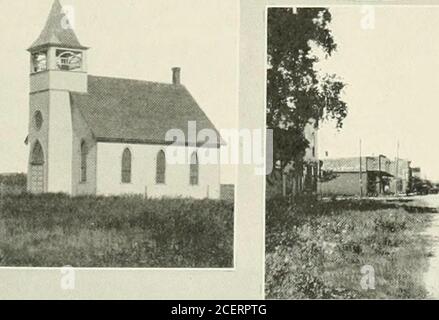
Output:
[[380, 176], [361, 172], [397, 168], [284, 183]]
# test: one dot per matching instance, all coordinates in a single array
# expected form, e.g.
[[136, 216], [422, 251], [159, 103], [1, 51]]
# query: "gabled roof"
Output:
[[57, 32], [134, 111]]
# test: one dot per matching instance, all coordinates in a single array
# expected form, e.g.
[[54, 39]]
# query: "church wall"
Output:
[[39, 102], [59, 80], [109, 182], [39, 81], [81, 132], [60, 143], [68, 80]]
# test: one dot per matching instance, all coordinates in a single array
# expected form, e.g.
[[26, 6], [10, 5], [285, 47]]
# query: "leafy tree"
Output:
[[420, 186], [297, 94]]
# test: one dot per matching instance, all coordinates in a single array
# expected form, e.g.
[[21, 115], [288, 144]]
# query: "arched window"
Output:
[[37, 169], [161, 168], [126, 166], [194, 170], [84, 153], [37, 158]]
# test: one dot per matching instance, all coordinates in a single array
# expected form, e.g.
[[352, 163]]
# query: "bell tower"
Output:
[[58, 60], [57, 67]]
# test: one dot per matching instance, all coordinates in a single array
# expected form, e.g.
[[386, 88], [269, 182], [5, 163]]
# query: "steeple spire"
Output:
[[57, 31]]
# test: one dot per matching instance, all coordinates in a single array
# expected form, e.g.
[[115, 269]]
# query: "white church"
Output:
[[93, 135]]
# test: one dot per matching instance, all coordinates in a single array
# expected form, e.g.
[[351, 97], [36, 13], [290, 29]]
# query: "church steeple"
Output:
[[57, 68], [57, 31], [58, 60]]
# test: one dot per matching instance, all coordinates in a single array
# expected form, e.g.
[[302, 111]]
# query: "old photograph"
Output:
[[112, 153], [351, 203]]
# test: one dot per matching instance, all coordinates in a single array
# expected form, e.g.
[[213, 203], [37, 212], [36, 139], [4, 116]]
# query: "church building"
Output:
[[95, 135]]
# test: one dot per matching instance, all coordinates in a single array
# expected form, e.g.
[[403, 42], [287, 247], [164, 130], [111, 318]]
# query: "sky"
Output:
[[134, 39], [392, 77]]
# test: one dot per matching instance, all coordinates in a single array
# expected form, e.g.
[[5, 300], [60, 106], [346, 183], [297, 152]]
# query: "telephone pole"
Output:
[[361, 172], [397, 169]]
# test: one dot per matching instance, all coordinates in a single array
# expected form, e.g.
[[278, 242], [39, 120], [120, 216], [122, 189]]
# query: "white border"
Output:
[[216, 282], [329, 5]]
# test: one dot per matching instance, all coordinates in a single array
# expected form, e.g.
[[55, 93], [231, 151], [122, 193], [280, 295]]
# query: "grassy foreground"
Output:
[[56, 230], [316, 250]]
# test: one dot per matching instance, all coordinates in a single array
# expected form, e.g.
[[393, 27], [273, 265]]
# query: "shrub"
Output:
[[13, 183], [315, 249], [15, 179]]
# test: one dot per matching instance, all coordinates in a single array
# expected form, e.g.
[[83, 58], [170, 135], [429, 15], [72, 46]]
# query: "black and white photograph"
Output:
[[112, 154], [219, 158], [352, 201]]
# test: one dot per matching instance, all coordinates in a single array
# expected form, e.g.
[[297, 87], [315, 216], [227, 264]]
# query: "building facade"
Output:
[[356, 176], [402, 176], [305, 179], [416, 172], [110, 136]]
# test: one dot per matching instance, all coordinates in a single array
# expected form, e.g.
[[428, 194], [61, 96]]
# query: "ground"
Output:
[[431, 277], [114, 232], [332, 249]]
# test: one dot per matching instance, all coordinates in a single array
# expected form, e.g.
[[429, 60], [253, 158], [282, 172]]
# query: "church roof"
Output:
[[57, 31], [134, 111]]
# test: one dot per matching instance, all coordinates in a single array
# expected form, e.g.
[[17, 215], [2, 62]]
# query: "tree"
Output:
[[297, 94], [420, 186]]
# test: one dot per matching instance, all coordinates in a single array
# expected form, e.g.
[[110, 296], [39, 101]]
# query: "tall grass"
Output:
[[316, 250], [12, 183], [56, 230]]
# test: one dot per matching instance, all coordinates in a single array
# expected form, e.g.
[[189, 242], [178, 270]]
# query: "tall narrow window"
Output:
[[126, 166], [194, 170], [161, 168], [84, 152]]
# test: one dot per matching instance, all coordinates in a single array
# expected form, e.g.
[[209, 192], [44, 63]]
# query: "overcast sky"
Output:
[[392, 73], [135, 39]]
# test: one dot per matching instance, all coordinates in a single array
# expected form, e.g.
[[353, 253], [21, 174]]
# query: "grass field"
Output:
[[316, 250], [56, 231], [14, 183]]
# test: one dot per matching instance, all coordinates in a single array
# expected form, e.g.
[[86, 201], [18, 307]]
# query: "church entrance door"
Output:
[[37, 169]]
